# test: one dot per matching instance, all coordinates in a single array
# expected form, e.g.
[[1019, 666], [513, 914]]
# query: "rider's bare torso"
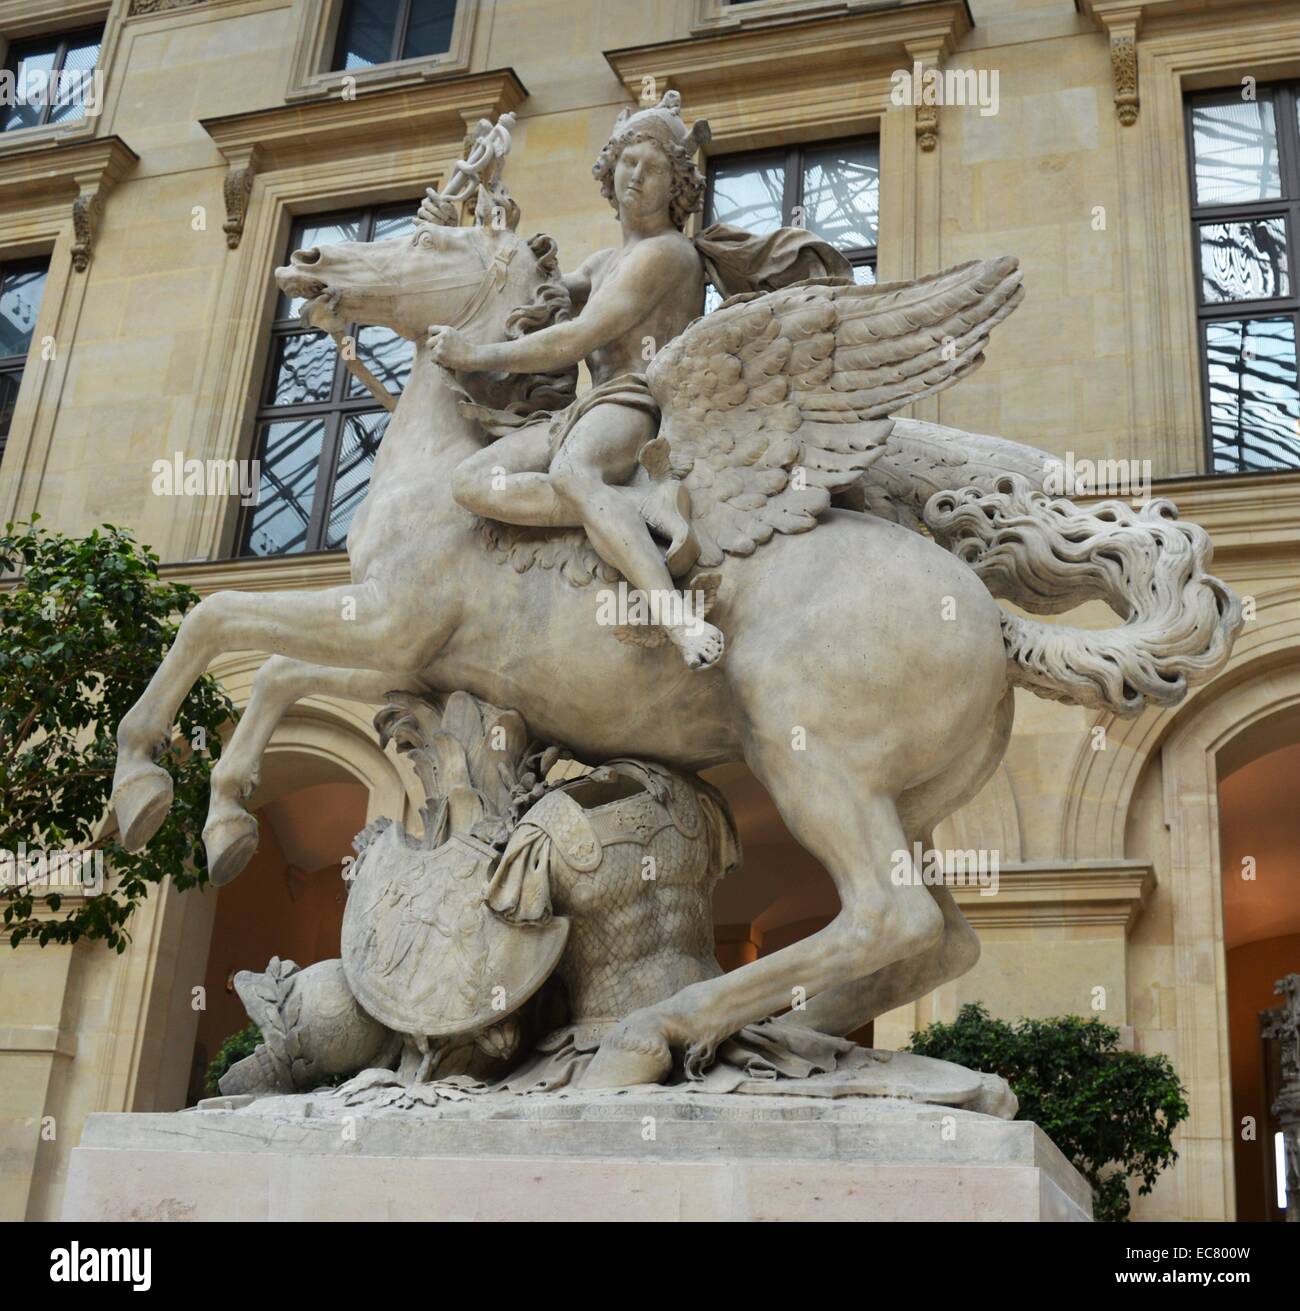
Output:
[[684, 276], [630, 300]]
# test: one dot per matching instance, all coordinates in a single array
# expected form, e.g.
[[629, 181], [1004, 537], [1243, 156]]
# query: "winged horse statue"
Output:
[[869, 671]]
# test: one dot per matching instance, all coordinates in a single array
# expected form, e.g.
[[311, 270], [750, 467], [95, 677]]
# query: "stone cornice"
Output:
[[1108, 14], [796, 71], [1126, 22], [1246, 515], [295, 134], [1062, 894], [79, 174], [52, 172]]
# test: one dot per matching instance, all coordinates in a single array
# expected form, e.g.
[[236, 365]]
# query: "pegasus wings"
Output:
[[774, 402]]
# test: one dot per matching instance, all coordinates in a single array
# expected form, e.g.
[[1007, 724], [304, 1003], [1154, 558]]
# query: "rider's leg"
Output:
[[507, 480], [588, 474]]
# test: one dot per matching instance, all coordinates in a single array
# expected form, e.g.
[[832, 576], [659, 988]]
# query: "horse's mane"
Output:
[[526, 393]]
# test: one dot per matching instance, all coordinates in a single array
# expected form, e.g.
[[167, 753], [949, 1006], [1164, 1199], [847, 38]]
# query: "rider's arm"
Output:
[[646, 274], [578, 283]]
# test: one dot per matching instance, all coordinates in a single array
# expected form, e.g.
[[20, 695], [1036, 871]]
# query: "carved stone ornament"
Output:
[[237, 189], [159, 6], [87, 210], [927, 127], [816, 581], [1123, 63]]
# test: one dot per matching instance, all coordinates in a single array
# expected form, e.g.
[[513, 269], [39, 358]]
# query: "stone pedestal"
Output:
[[622, 1156]]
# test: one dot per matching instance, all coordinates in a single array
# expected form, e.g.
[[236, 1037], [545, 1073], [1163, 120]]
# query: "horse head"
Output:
[[472, 277]]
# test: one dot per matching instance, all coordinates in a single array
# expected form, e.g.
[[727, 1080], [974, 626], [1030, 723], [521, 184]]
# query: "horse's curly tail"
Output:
[[1047, 554]]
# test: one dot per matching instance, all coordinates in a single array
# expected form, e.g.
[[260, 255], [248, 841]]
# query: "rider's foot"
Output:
[[700, 643]]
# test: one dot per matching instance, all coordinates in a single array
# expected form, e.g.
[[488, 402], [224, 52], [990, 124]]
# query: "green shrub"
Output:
[[1111, 1112], [231, 1052]]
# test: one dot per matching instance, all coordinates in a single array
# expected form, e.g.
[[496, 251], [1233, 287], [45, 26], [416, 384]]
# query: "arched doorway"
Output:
[[287, 903], [1259, 825]]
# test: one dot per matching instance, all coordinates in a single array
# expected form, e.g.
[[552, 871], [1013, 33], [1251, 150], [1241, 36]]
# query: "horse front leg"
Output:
[[230, 833], [342, 627]]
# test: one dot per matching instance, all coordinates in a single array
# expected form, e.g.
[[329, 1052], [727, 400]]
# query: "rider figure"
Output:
[[574, 470], [651, 287]]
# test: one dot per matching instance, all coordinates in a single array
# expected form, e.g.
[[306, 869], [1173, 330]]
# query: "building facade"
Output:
[[1140, 157]]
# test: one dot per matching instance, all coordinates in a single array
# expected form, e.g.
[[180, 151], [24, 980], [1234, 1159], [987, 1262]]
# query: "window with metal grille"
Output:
[[51, 79], [1245, 172], [385, 31], [318, 428], [832, 189], [22, 284]]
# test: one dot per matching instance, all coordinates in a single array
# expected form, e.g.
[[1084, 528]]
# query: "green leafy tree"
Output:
[[84, 622], [1111, 1112]]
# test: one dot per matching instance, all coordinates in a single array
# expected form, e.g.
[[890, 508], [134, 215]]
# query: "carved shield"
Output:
[[421, 950]]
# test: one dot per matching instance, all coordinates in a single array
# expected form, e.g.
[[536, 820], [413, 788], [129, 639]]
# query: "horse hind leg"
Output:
[[858, 839], [230, 833], [842, 1009]]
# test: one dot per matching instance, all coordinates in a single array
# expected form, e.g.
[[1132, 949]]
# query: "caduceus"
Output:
[[480, 171]]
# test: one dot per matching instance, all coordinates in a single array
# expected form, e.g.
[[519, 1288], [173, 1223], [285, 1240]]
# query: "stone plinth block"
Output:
[[622, 1156]]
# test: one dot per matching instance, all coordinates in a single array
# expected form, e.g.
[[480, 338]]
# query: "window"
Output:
[[318, 428], [51, 79], [833, 190], [386, 31], [21, 287], [1245, 169]]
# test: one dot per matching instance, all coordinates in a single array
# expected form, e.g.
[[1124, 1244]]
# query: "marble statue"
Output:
[[823, 578], [1283, 1023]]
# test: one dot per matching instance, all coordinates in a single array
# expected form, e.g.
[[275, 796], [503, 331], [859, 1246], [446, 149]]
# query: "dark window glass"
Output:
[[318, 428], [833, 190], [385, 31], [1245, 174], [22, 284], [51, 78]]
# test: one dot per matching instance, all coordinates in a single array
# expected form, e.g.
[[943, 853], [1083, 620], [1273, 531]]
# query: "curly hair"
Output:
[[688, 182]]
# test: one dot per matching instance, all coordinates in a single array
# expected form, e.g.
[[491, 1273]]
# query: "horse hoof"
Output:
[[230, 843], [141, 803], [630, 1054]]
